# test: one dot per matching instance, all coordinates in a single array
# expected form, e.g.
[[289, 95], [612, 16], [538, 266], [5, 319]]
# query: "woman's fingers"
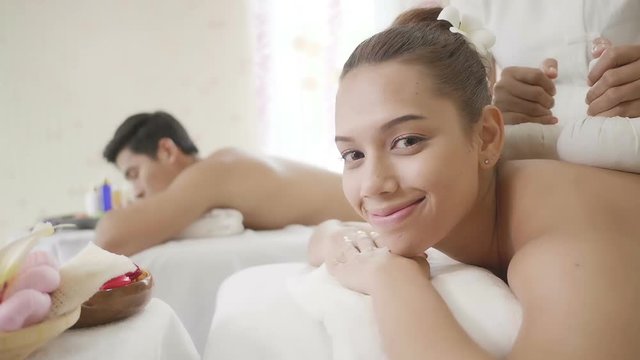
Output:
[[362, 241]]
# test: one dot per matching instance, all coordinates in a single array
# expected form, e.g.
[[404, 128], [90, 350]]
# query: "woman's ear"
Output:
[[491, 136], [168, 151]]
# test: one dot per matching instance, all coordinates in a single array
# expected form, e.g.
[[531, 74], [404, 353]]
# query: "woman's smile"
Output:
[[392, 216]]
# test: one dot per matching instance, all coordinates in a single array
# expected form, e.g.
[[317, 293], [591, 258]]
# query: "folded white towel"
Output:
[[482, 304], [217, 222]]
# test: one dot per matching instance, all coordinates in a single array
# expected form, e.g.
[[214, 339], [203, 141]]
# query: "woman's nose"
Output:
[[379, 178]]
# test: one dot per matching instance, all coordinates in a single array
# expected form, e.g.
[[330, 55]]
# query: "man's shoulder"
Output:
[[219, 161], [227, 154]]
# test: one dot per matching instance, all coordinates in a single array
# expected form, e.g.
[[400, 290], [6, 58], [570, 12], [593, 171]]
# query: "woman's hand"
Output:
[[526, 94], [328, 236], [614, 80], [360, 262]]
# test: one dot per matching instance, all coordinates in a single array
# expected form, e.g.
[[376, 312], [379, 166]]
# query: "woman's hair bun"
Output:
[[417, 16]]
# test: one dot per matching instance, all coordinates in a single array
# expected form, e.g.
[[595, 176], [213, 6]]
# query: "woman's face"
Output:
[[411, 165]]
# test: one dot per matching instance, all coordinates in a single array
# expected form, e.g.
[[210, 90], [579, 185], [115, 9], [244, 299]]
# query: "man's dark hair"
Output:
[[141, 133]]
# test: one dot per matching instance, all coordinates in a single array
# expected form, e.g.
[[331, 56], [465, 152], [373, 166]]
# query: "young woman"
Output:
[[421, 147]]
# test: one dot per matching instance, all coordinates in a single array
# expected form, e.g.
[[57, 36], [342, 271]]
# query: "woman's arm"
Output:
[[579, 298], [414, 321]]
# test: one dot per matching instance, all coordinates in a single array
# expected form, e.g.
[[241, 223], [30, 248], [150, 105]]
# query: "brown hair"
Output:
[[416, 36]]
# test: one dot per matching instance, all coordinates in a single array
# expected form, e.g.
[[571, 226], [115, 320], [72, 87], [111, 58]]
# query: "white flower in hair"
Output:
[[470, 27]]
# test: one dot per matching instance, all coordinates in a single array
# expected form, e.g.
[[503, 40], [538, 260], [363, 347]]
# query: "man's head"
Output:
[[150, 149]]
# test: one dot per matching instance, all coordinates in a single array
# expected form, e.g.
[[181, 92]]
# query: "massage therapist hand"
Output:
[[614, 80], [525, 94]]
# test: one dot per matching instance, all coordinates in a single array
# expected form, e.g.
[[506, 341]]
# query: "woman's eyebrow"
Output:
[[388, 125], [399, 120]]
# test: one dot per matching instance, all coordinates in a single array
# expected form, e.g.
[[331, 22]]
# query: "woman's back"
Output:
[[545, 197]]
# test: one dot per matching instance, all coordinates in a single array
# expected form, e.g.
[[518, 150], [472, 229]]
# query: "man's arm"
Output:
[[269, 193], [153, 220]]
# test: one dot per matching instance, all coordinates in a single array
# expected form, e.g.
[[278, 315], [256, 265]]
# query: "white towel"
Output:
[[482, 304], [217, 222]]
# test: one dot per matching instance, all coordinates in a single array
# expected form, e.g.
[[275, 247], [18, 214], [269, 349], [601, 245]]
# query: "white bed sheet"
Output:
[[154, 334], [188, 272], [257, 318]]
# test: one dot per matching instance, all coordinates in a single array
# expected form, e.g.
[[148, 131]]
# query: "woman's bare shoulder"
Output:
[[584, 287]]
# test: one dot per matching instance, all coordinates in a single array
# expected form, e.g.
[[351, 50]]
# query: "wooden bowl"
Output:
[[17, 345], [110, 305]]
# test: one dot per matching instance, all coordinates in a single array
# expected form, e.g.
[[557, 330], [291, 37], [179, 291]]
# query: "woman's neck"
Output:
[[475, 240]]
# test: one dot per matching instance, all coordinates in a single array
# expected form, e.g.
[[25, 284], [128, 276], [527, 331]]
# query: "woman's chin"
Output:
[[406, 250], [404, 245]]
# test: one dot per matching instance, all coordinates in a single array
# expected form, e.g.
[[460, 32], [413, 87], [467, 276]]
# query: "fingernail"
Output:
[[597, 47], [599, 50]]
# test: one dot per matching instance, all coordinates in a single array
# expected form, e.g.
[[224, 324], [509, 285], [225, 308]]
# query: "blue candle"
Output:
[[106, 196]]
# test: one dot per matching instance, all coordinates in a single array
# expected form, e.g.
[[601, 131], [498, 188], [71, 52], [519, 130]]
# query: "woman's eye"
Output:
[[352, 155], [407, 141]]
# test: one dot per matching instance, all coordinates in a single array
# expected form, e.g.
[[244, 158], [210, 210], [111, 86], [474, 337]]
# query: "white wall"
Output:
[[71, 71]]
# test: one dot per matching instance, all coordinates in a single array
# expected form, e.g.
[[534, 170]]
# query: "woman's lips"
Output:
[[393, 216]]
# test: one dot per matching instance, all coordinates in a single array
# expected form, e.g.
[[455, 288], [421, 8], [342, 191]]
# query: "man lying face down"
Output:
[[174, 186]]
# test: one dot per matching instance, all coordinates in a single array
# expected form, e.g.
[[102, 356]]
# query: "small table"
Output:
[[155, 333]]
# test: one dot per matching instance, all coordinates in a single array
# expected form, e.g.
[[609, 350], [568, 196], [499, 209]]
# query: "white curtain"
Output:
[[299, 49]]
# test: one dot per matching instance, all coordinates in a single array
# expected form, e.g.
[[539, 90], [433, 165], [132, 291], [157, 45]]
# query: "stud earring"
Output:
[[486, 161]]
